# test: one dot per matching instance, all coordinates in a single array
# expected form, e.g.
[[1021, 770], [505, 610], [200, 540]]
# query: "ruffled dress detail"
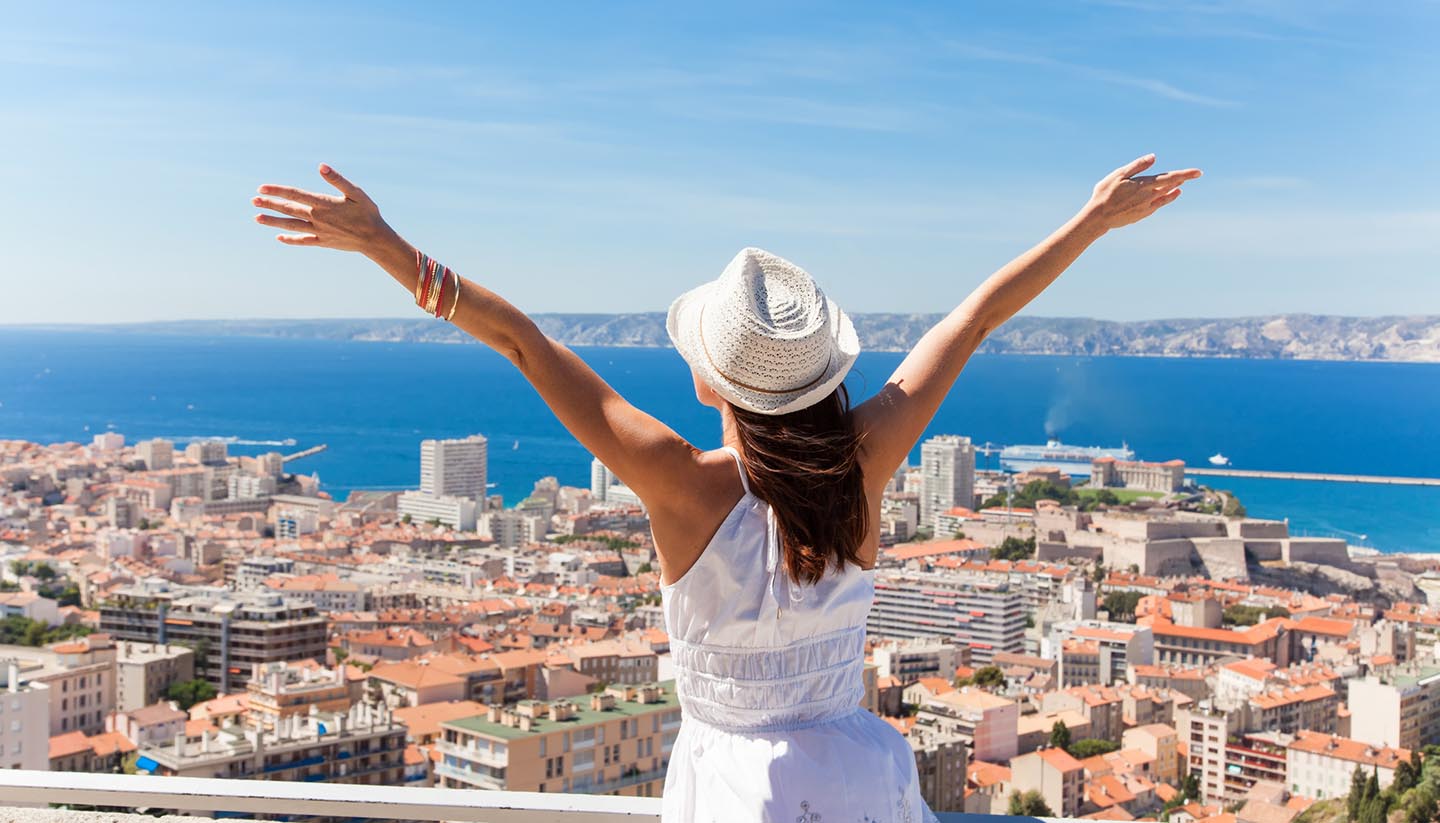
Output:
[[769, 677]]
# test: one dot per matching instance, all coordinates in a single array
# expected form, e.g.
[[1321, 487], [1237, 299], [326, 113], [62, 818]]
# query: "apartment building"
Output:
[[80, 675], [1099, 651], [1399, 708], [230, 632], [1159, 741], [616, 661], [144, 672], [452, 510], [910, 660], [617, 742], [980, 613], [362, 746], [1227, 759], [454, 468], [988, 723], [1320, 766], [1057, 776], [947, 476], [279, 691], [941, 760], [24, 719], [1181, 645]]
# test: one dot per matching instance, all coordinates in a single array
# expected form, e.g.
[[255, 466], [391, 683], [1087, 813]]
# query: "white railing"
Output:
[[206, 797]]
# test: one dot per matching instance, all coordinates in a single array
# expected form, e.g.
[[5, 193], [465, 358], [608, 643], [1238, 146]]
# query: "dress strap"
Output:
[[744, 481]]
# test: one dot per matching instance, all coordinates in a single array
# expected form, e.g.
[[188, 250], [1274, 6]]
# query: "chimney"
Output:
[[180, 745], [13, 672]]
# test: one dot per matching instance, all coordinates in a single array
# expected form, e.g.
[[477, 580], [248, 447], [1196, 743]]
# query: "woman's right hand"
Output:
[[350, 221], [1125, 196]]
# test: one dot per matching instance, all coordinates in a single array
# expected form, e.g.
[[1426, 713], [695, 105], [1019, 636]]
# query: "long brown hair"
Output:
[[806, 466]]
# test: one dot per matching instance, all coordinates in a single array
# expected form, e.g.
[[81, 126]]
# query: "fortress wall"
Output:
[[1223, 558]]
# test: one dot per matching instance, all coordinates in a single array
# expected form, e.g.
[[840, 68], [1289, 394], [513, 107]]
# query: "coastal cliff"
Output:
[[1289, 337]]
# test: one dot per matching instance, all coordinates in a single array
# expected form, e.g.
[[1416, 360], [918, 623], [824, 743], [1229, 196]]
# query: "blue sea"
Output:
[[372, 404]]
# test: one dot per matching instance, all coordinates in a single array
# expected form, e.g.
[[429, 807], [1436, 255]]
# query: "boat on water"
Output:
[[1218, 459], [1073, 460]]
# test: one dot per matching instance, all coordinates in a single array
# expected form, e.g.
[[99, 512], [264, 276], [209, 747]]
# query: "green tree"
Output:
[[989, 677], [1405, 777], [44, 571], [1029, 804], [1121, 605], [1090, 746], [1060, 735], [1013, 548], [1190, 787], [645, 568], [1357, 794], [1423, 808], [189, 692], [1099, 575], [406, 518]]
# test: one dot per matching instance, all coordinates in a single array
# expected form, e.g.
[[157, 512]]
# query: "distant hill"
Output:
[[1289, 336]]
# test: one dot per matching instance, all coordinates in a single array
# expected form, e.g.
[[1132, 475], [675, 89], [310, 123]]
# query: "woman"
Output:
[[766, 545]]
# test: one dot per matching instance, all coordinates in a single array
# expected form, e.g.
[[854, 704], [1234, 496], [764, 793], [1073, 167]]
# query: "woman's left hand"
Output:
[[349, 221]]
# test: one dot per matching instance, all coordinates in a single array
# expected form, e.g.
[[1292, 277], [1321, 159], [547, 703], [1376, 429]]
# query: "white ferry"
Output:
[[1073, 460]]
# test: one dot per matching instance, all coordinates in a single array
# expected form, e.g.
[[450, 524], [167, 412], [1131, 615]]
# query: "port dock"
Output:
[[1322, 477], [313, 450]]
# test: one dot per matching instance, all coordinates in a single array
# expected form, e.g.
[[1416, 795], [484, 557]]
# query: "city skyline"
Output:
[[616, 146]]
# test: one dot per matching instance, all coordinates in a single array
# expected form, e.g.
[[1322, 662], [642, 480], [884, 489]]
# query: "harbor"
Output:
[[1317, 476]]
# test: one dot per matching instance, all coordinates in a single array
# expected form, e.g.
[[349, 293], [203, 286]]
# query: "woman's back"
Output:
[[769, 675]]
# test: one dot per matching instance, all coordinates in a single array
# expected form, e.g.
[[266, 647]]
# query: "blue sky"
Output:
[[604, 157]]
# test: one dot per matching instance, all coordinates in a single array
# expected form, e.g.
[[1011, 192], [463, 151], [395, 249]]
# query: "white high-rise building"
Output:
[[454, 468], [947, 476], [600, 481]]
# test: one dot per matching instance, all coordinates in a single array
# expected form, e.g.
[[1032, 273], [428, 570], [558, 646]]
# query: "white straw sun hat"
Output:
[[763, 335]]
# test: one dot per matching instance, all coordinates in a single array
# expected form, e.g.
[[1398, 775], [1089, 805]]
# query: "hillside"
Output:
[[1292, 336]]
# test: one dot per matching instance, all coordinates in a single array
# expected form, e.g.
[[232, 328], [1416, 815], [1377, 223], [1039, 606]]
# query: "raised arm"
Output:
[[894, 419], [643, 452]]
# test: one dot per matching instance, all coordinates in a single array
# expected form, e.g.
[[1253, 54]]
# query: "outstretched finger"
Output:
[[309, 198], [1135, 166], [286, 223], [283, 206], [1165, 199], [1170, 179], [338, 180], [298, 239]]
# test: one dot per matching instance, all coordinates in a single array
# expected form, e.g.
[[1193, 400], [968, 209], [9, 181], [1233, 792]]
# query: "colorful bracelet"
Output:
[[430, 287], [455, 302], [432, 300], [423, 280]]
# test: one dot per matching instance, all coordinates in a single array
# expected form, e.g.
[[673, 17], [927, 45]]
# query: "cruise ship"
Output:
[[1073, 460]]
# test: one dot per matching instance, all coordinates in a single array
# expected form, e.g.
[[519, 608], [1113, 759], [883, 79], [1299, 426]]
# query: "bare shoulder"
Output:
[[685, 520]]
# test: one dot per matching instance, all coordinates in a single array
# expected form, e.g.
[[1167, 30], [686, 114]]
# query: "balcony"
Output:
[[230, 798]]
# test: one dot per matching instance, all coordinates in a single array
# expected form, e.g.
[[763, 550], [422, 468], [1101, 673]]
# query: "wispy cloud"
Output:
[[800, 111], [1152, 85]]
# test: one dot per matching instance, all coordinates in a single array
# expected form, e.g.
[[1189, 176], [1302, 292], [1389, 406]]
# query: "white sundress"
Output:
[[768, 674]]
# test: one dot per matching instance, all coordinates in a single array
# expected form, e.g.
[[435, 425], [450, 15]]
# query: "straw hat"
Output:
[[763, 335]]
